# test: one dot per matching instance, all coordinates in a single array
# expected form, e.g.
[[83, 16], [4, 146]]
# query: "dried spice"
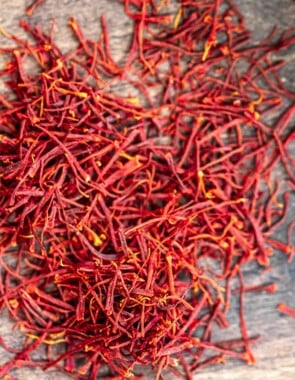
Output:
[[125, 221], [285, 309]]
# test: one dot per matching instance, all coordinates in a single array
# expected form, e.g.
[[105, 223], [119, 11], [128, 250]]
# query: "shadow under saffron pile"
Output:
[[124, 221]]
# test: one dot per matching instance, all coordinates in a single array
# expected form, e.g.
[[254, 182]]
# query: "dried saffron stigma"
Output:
[[126, 222], [285, 309]]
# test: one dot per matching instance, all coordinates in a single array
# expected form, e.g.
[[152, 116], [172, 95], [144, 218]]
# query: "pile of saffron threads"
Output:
[[124, 221]]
